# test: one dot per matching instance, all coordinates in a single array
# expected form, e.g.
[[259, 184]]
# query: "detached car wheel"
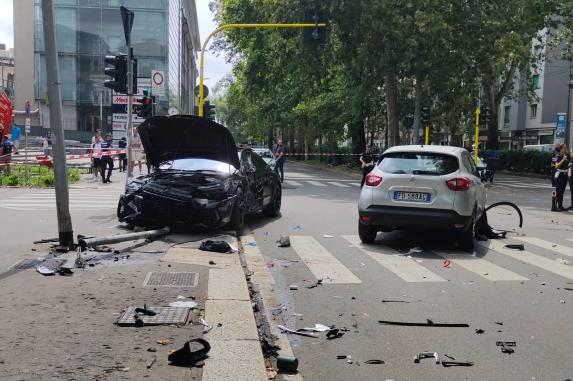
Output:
[[238, 216], [367, 233], [274, 207]]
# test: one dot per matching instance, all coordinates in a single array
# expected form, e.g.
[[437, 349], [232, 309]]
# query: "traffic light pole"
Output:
[[65, 231], [240, 26], [129, 132], [476, 143]]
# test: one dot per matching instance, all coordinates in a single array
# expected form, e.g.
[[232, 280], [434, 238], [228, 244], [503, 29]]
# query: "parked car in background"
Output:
[[422, 188], [540, 147], [267, 155], [198, 178]]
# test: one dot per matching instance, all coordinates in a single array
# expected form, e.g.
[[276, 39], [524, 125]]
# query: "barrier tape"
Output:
[[322, 154]]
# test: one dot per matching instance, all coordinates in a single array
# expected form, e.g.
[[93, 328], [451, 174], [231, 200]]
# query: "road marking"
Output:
[[294, 183], [532, 259], [402, 266], [336, 184], [563, 250], [355, 184], [320, 262], [480, 266], [531, 186], [316, 183]]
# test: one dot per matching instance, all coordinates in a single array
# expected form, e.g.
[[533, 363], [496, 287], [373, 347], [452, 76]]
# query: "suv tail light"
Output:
[[372, 180], [459, 184]]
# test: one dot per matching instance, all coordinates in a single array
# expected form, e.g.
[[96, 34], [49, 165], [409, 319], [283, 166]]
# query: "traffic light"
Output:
[[426, 116], [208, 110], [316, 35], [485, 115], [145, 109], [118, 72]]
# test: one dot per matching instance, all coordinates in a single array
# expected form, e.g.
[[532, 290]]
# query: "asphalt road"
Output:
[[512, 295]]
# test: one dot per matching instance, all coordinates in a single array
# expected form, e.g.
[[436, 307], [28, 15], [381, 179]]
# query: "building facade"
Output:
[[7, 71], [87, 31]]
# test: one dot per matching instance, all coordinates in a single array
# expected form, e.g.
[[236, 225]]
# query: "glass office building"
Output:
[[88, 30]]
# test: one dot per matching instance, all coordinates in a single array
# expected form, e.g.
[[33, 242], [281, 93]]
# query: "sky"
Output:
[[215, 67]]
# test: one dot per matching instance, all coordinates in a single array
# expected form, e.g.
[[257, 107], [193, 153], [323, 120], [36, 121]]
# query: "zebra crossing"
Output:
[[522, 185], [86, 199], [540, 254], [323, 183]]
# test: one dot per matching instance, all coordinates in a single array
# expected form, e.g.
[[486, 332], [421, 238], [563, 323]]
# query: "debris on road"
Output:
[[284, 241], [327, 236], [317, 328], [447, 364], [297, 228], [151, 363], [301, 333], [483, 228], [479, 330], [429, 323], [206, 324], [293, 287], [498, 322], [316, 284], [51, 266], [145, 311], [394, 301], [217, 247], [447, 263], [375, 362], [163, 316], [517, 246], [186, 357], [212, 263], [334, 333], [425, 355], [84, 243], [183, 303], [46, 240], [506, 346], [287, 364], [562, 261]]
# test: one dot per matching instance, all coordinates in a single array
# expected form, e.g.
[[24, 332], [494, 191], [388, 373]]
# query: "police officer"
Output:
[[560, 176], [367, 163], [107, 159]]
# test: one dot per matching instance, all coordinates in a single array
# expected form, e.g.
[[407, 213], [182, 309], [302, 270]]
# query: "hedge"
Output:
[[525, 161]]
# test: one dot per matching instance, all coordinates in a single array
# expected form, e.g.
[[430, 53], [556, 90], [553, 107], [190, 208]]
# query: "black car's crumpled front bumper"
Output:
[[406, 218], [149, 208]]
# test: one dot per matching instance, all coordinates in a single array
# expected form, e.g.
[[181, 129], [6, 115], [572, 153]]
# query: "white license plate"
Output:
[[412, 196]]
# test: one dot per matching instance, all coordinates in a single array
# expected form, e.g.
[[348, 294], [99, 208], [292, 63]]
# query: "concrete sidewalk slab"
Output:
[[236, 318], [200, 257], [235, 360], [228, 284]]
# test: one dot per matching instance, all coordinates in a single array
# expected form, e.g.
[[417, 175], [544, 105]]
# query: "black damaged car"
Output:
[[198, 179]]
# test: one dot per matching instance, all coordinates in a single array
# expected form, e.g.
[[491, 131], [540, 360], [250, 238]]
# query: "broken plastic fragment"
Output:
[[205, 324], [318, 328], [327, 236], [297, 228], [301, 333], [183, 303]]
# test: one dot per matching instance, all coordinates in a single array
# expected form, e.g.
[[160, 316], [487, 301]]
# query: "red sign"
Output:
[[5, 112]]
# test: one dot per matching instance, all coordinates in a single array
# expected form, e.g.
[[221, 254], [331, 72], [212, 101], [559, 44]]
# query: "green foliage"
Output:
[[38, 176], [525, 161]]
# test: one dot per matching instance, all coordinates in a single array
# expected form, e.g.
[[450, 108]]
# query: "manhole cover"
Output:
[[171, 279], [24, 264], [164, 315]]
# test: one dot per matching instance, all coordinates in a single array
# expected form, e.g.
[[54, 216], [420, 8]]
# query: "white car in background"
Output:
[[422, 188], [267, 155]]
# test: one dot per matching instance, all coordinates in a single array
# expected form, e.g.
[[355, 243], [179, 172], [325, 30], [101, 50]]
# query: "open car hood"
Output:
[[166, 138]]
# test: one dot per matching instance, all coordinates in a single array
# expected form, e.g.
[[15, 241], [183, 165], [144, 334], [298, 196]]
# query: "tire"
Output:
[[274, 207], [466, 240], [367, 233], [238, 216]]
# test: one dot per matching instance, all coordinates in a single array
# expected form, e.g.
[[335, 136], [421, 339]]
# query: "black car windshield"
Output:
[[417, 163], [196, 164]]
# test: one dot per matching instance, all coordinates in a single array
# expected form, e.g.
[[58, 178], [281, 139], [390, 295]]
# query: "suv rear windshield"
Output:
[[422, 163]]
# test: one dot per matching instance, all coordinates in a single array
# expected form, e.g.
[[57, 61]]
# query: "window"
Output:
[[413, 163], [532, 111], [506, 114], [535, 82]]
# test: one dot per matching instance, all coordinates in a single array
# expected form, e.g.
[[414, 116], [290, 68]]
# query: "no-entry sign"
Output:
[[158, 83]]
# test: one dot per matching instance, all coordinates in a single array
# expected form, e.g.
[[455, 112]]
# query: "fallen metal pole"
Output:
[[91, 242]]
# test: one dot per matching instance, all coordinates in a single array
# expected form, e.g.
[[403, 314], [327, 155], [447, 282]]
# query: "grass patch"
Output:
[[38, 176]]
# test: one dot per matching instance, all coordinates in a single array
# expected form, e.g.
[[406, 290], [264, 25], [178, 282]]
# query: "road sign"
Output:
[[560, 130], [205, 91], [27, 125], [158, 83]]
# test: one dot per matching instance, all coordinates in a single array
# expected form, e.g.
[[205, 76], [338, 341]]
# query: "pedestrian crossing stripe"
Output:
[[400, 265], [481, 267], [316, 183], [559, 249], [530, 258], [321, 262], [293, 183], [355, 184], [337, 184]]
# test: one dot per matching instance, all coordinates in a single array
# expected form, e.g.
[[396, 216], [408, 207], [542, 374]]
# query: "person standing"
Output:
[[16, 133], [47, 144], [122, 144], [570, 174], [107, 159], [137, 149], [280, 159], [366, 162], [6, 155], [96, 151], [561, 178]]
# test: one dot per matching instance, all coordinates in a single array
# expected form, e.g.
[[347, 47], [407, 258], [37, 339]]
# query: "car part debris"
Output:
[[425, 355], [145, 311], [498, 322], [46, 240], [375, 362], [317, 328], [206, 324], [301, 333], [447, 263], [50, 266], [568, 289], [185, 357], [447, 364], [287, 364], [284, 241], [151, 363], [316, 284], [327, 236], [217, 246], [334, 333], [562, 261], [151, 349], [148, 234], [483, 228], [517, 246], [394, 301], [293, 287], [428, 323], [479, 330], [212, 263], [341, 357], [506, 346], [450, 357]]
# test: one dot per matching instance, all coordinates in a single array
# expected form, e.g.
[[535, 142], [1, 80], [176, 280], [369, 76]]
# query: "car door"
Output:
[[249, 171], [263, 181], [478, 189]]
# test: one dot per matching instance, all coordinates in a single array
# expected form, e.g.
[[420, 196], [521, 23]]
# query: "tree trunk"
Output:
[[358, 137], [492, 127], [391, 83], [417, 112]]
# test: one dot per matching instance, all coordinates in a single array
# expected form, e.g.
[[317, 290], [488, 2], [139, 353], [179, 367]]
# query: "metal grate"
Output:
[[165, 315], [171, 279], [24, 264]]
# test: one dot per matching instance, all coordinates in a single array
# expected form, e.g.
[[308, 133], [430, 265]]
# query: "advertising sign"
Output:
[[560, 129]]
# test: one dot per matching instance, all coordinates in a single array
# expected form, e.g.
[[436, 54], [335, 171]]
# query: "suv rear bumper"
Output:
[[405, 218]]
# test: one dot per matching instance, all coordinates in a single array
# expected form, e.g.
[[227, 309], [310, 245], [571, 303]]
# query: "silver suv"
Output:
[[422, 188]]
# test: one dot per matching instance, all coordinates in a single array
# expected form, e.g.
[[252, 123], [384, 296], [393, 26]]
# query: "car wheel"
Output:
[[238, 216], [466, 240], [274, 207], [367, 233]]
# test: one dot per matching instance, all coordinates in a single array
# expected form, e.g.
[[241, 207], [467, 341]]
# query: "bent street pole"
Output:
[[65, 232]]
